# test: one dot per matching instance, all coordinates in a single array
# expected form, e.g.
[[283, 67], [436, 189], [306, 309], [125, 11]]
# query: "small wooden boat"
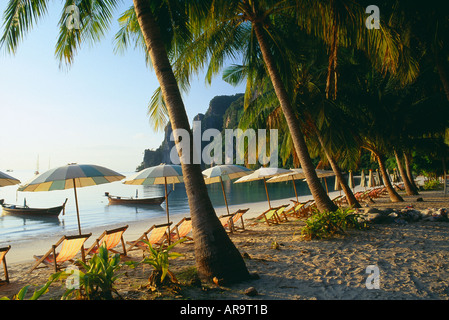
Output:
[[35, 212], [131, 200]]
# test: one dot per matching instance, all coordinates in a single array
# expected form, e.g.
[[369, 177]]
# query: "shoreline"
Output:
[[22, 251], [412, 258]]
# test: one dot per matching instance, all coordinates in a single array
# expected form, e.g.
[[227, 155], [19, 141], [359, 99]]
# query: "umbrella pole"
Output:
[[77, 209], [166, 207], [325, 182], [294, 186], [83, 257], [266, 190], [224, 194]]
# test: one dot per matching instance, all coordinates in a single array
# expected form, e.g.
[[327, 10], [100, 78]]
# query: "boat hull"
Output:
[[152, 201], [44, 212], [33, 212]]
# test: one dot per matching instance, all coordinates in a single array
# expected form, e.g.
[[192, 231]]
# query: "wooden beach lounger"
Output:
[[157, 235], [3, 252], [281, 213], [70, 246], [231, 221], [238, 216], [111, 238], [181, 230], [299, 209], [270, 216], [226, 222], [338, 200]]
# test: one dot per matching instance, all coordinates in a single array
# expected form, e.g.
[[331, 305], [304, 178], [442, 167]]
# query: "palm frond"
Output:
[[157, 111], [95, 17], [19, 17]]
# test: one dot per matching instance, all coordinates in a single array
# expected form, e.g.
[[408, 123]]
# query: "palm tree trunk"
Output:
[[215, 254], [352, 201], [408, 186], [331, 81], [408, 169], [323, 202], [394, 196]]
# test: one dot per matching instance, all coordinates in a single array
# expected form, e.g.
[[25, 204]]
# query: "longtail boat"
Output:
[[131, 200], [34, 212]]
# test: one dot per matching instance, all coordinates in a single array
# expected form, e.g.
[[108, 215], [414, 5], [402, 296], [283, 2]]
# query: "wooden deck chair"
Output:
[[237, 219], [70, 246], [111, 238], [156, 235], [281, 213], [338, 200], [226, 222], [181, 230], [269, 216], [307, 209], [294, 208], [3, 252]]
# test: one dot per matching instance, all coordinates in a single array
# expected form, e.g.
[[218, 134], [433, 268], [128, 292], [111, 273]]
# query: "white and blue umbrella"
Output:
[[371, 182], [72, 176], [225, 172], [363, 179], [161, 174], [263, 173], [351, 180]]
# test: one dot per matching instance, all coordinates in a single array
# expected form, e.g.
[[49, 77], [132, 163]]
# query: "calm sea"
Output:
[[96, 212]]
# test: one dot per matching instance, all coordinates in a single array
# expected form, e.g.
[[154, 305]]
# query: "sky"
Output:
[[94, 112]]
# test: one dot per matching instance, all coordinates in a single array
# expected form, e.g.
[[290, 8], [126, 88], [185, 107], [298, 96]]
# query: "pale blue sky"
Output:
[[95, 112]]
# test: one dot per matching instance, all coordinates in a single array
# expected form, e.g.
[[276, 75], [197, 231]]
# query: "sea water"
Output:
[[95, 210]]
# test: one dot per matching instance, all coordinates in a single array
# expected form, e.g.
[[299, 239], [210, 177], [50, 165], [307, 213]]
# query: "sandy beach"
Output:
[[412, 260]]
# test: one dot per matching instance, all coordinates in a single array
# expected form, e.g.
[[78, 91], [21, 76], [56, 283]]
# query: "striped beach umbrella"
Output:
[[263, 173], [7, 180], [224, 172], [377, 178], [161, 174], [337, 186], [72, 176], [298, 173], [351, 180], [371, 182], [293, 175], [363, 179]]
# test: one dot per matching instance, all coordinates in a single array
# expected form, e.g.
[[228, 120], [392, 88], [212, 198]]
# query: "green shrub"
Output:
[[159, 259], [37, 294], [324, 225], [432, 184], [97, 280]]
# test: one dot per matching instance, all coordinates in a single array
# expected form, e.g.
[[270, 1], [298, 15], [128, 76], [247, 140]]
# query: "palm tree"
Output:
[[226, 17], [327, 133], [368, 101], [232, 27], [409, 188], [428, 33], [341, 24], [161, 22]]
